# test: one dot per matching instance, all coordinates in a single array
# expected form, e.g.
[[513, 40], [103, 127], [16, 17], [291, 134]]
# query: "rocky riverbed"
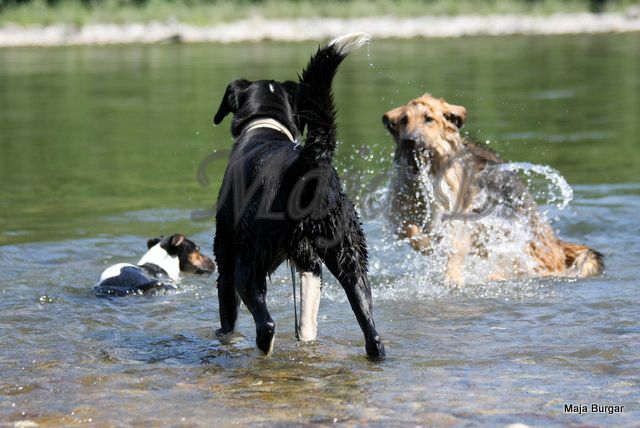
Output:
[[259, 29]]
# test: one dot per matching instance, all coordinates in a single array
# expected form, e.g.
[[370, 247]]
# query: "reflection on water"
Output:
[[89, 133], [98, 152]]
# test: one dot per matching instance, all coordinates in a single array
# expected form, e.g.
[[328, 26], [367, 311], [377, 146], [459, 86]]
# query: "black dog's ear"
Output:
[[292, 89], [177, 239], [229, 102], [152, 242]]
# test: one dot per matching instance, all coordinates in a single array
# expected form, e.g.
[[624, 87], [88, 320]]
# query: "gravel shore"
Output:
[[258, 29]]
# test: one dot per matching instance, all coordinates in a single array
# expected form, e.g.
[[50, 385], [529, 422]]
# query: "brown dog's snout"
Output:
[[208, 267], [201, 263], [193, 261], [410, 140]]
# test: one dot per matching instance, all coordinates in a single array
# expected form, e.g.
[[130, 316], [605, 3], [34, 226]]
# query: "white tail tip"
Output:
[[348, 42]]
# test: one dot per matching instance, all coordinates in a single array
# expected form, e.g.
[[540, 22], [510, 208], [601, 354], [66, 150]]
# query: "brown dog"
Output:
[[445, 188]]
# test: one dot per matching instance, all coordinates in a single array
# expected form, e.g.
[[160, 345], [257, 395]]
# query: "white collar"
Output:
[[267, 122]]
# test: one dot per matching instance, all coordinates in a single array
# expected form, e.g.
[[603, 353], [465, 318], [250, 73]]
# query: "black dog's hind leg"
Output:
[[229, 302], [228, 299], [347, 261], [252, 288], [359, 295]]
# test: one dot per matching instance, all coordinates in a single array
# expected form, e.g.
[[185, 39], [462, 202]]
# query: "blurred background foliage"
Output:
[[593, 4], [202, 12]]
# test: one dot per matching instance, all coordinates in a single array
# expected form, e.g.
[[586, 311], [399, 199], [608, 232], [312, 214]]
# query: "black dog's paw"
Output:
[[375, 350], [265, 337]]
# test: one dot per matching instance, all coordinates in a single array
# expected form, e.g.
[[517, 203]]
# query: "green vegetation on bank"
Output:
[[207, 12]]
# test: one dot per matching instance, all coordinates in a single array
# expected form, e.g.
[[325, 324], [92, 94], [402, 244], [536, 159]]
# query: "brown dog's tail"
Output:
[[582, 261]]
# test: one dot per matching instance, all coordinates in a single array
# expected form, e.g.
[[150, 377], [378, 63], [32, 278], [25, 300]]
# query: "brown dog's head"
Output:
[[426, 127], [191, 260]]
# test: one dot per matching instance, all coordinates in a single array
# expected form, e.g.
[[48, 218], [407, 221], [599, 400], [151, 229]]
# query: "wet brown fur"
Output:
[[427, 132]]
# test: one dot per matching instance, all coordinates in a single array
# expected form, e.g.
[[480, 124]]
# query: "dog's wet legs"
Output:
[[229, 302], [309, 266], [355, 283], [228, 299], [310, 287], [252, 289], [265, 327]]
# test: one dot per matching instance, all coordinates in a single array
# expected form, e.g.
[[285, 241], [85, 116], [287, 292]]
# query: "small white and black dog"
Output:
[[158, 270], [281, 201]]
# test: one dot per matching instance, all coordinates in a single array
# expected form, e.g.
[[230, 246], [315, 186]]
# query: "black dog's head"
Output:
[[260, 99], [191, 260]]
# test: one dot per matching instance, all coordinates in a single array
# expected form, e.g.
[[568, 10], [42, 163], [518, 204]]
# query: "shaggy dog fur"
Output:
[[280, 201], [427, 135]]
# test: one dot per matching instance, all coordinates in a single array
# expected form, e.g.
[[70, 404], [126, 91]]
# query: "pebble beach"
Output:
[[257, 29]]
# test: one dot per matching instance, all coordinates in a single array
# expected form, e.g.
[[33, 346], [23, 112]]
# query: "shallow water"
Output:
[[99, 149]]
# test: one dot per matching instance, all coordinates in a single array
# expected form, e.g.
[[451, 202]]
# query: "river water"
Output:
[[102, 148]]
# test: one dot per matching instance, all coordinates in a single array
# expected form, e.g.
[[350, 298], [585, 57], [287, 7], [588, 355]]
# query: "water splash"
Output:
[[557, 192], [500, 239], [382, 75]]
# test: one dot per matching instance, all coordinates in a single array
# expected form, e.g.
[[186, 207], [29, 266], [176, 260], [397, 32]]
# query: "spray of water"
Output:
[[398, 272], [554, 190]]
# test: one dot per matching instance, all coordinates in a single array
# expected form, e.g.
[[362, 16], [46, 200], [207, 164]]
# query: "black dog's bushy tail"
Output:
[[315, 105]]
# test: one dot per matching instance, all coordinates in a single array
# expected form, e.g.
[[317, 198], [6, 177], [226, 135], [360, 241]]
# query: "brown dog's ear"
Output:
[[177, 239], [391, 120], [455, 114], [152, 242], [229, 103]]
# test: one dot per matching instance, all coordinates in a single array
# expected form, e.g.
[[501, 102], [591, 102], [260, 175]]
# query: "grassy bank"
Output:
[[202, 12]]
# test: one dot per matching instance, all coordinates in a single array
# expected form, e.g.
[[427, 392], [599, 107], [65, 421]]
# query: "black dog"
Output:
[[280, 201], [158, 269]]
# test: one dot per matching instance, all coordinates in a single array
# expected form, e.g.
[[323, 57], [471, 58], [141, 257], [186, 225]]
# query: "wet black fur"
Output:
[[254, 238], [143, 279]]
